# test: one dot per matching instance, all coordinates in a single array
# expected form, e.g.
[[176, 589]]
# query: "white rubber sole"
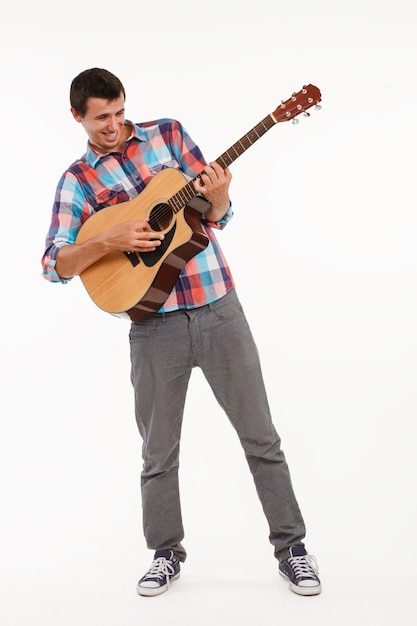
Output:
[[156, 591], [302, 591]]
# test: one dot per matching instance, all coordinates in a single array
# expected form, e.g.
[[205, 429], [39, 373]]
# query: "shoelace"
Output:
[[160, 568], [304, 566]]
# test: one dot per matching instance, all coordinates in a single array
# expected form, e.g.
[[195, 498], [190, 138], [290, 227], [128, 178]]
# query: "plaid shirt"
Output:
[[96, 181]]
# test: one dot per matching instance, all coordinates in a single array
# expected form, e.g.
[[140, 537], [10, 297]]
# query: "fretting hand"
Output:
[[213, 184]]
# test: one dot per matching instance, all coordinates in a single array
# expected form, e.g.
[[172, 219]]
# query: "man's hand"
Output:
[[133, 236], [213, 184]]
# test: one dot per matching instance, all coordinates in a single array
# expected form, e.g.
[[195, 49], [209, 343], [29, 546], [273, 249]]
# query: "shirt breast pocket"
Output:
[[110, 197]]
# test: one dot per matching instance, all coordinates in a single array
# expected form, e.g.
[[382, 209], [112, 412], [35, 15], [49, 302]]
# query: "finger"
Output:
[[204, 177], [149, 235], [219, 171], [199, 184], [216, 169], [140, 225]]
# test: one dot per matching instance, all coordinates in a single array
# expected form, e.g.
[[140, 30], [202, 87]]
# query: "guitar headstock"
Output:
[[299, 102]]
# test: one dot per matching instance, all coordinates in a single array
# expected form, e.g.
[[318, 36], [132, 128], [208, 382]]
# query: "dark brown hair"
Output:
[[94, 83]]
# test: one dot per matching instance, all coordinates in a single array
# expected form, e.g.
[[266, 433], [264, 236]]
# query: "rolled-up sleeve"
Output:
[[224, 221], [70, 210]]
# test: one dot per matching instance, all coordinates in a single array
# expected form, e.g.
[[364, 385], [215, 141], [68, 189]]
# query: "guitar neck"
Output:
[[246, 141], [180, 199]]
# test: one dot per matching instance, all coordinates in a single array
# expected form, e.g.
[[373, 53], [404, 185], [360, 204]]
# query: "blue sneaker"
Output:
[[164, 569], [301, 570]]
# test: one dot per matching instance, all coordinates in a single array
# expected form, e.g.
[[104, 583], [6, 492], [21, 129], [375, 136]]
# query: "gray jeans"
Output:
[[164, 350]]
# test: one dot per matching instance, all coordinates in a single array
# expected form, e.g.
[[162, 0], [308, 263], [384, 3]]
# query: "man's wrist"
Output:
[[222, 207]]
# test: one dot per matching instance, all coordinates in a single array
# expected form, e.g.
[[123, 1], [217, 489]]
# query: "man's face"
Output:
[[104, 123]]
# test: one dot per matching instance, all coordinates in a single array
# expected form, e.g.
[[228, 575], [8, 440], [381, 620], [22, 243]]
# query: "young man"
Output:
[[200, 324]]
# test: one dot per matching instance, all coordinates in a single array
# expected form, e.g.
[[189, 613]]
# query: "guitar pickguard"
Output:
[[151, 258]]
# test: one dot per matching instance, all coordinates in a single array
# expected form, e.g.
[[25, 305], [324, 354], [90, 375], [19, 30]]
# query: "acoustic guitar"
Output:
[[135, 285]]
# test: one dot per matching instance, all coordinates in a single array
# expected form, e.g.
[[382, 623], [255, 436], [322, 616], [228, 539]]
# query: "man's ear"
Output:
[[75, 115]]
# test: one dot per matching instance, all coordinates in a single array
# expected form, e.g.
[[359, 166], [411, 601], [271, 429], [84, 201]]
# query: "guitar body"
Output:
[[138, 284]]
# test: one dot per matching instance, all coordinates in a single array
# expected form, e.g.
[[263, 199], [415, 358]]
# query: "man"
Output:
[[201, 323]]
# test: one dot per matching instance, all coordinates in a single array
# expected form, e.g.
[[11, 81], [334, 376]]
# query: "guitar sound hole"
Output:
[[160, 217]]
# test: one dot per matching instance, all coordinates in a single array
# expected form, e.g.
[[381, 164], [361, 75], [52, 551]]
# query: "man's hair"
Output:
[[94, 83]]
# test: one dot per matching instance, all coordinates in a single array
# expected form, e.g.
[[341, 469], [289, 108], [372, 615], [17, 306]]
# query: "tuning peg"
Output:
[[306, 114], [295, 120], [318, 107]]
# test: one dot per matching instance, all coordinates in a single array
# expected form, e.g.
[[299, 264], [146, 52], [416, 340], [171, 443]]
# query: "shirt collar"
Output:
[[93, 157]]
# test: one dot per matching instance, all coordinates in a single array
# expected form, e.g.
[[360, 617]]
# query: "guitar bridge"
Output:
[[133, 258]]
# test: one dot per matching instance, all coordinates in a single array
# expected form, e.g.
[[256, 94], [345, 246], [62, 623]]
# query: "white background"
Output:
[[323, 250]]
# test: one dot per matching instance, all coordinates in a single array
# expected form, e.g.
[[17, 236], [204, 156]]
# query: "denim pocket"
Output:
[[228, 307], [142, 330]]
